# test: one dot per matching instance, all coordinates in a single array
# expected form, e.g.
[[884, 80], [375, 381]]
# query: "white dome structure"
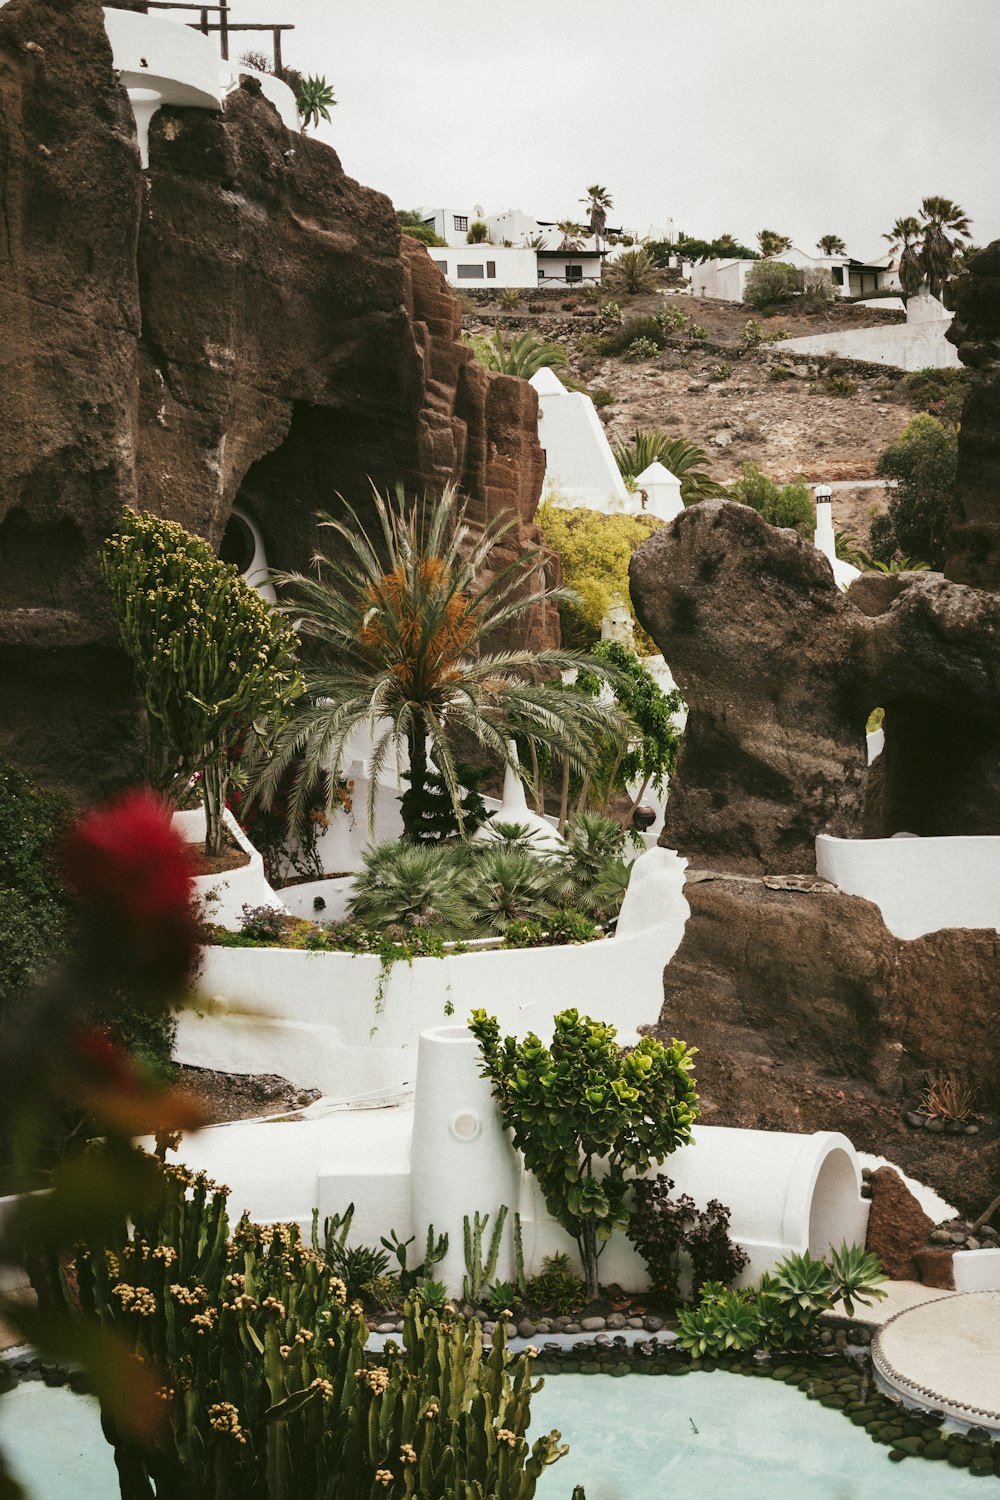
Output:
[[540, 834]]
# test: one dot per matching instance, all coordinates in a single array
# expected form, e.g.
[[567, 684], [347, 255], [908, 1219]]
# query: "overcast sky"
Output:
[[807, 117]]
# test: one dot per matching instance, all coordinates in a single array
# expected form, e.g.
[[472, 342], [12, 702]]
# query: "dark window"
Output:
[[461, 223], [574, 273], [442, 266], [491, 269], [837, 272], [470, 273]]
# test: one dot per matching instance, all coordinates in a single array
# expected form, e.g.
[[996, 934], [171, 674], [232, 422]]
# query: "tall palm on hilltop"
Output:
[[772, 243], [929, 245], [400, 620], [597, 202], [831, 244]]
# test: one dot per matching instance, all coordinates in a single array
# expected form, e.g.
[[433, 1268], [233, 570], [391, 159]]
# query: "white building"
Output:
[[520, 252]]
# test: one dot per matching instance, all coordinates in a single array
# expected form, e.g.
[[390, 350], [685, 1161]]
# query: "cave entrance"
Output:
[[935, 774]]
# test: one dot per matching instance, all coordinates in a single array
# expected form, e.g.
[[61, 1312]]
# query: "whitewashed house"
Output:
[[727, 279], [521, 251]]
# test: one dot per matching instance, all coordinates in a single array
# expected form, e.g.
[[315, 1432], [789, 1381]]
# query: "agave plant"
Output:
[[413, 885], [805, 1285], [855, 1272], [315, 101], [683, 458]]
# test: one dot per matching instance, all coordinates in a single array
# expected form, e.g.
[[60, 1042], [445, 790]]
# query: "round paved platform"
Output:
[[945, 1355]]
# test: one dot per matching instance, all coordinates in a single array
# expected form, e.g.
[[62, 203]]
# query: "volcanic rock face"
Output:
[[762, 644], [973, 554], [241, 321]]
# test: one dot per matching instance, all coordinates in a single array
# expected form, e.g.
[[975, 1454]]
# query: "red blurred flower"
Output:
[[131, 872]]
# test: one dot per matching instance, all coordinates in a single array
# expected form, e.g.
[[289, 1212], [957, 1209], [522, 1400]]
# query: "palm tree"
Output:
[[831, 244], [571, 232], [315, 101], [928, 246], [682, 457], [634, 271], [400, 619], [772, 243], [598, 201], [525, 355], [945, 228], [904, 237]]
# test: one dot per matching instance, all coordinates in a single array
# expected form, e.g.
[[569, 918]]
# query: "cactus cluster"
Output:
[[267, 1390]]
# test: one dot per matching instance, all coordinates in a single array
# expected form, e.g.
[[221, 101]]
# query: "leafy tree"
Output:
[[597, 202], [479, 233], [928, 246], [831, 244], [400, 618], [922, 461], [634, 271], [772, 243], [770, 281], [789, 505], [315, 101], [595, 551], [581, 1103], [683, 458], [422, 232], [649, 755], [724, 247], [215, 663], [524, 355]]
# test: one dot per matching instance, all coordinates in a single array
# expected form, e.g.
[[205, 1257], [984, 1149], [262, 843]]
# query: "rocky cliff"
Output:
[[242, 321]]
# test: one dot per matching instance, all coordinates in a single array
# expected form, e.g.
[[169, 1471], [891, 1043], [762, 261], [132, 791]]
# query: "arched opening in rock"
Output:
[[41, 561]]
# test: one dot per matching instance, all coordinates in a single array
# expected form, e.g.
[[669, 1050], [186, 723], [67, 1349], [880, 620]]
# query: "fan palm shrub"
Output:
[[509, 885], [634, 271], [413, 885], [523, 355], [683, 458], [401, 618]]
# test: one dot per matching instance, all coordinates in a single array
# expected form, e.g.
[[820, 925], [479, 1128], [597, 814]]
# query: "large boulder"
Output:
[[766, 650], [242, 321]]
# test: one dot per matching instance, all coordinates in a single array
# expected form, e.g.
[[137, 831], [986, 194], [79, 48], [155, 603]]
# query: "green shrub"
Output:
[[595, 551], [510, 297], [642, 349], [838, 385], [425, 234], [629, 332], [782, 505], [404, 885], [556, 1288], [769, 282], [781, 372], [721, 371], [33, 906], [581, 1101], [634, 271], [942, 393], [662, 1228], [923, 461], [215, 662]]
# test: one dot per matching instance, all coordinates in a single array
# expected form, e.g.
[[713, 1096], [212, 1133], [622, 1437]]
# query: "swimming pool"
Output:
[[722, 1437]]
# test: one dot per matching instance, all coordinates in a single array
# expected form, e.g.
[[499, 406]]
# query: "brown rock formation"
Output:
[[973, 552], [241, 320], [763, 645], [897, 1225]]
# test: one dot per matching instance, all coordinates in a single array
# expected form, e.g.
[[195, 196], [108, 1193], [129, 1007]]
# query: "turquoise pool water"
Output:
[[635, 1439], [630, 1439]]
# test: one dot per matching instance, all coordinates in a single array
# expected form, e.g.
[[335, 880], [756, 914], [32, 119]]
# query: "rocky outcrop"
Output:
[[973, 544], [897, 1226], [764, 647], [241, 321]]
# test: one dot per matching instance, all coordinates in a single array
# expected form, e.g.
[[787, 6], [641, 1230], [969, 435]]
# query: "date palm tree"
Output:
[[401, 618], [831, 244], [683, 458], [597, 202], [571, 233]]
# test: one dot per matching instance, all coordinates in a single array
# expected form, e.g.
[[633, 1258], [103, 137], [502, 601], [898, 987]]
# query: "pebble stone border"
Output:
[[923, 1394]]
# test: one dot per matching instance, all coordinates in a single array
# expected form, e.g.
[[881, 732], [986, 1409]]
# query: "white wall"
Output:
[[579, 465], [919, 885], [511, 267], [917, 344], [315, 1017], [720, 278], [555, 268]]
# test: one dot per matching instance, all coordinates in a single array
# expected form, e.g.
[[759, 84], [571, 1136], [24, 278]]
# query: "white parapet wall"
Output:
[[917, 344], [222, 897], [580, 467], [919, 885], [343, 1024]]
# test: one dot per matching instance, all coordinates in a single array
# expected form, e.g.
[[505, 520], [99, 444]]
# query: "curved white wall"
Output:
[[222, 897], [919, 885], [313, 1017]]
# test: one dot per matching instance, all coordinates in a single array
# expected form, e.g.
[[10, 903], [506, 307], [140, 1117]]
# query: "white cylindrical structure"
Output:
[[823, 536], [461, 1161], [662, 491]]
